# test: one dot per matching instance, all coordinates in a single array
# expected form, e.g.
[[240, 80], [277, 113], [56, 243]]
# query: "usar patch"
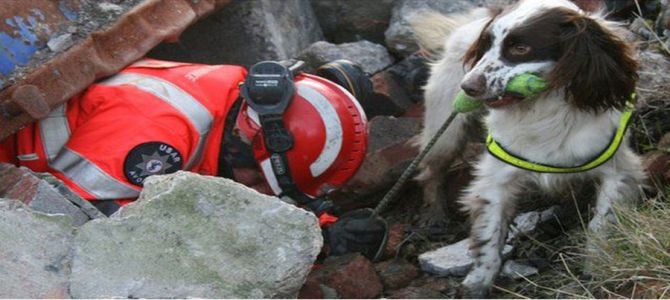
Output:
[[152, 158]]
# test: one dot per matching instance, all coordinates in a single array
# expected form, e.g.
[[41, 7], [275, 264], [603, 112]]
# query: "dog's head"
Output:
[[554, 39]]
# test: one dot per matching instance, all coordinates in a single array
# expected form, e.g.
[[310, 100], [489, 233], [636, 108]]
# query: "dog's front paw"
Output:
[[477, 284]]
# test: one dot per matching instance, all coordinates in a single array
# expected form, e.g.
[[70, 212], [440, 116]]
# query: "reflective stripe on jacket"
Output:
[[177, 107]]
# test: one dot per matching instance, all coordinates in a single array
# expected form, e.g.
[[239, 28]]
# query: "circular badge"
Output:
[[152, 158]]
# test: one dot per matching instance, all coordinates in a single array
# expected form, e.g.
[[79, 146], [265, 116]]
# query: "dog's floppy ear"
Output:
[[596, 67]]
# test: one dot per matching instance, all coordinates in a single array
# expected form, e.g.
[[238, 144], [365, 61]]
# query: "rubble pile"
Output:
[[186, 236], [190, 236]]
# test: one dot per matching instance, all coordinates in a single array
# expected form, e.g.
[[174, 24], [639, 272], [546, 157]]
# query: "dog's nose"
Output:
[[474, 86]]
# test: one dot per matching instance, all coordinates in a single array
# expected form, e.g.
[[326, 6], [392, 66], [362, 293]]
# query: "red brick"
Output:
[[396, 273], [351, 276]]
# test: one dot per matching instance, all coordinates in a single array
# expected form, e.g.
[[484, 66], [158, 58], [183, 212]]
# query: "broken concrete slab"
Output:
[[35, 252], [452, 260], [84, 205], [246, 32], [23, 185], [370, 56], [196, 236]]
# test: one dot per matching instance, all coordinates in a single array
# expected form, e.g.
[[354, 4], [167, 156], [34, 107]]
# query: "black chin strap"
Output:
[[278, 140], [268, 90]]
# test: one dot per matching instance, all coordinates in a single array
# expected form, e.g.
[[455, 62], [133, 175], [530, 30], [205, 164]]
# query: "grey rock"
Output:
[[246, 32], [370, 56], [23, 185], [35, 252], [110, 7], [60, 42], [527, 223], [516, 270], [84, 205], [192, 236], [399, 36], [387, 131], [452, 260], [344, 21]]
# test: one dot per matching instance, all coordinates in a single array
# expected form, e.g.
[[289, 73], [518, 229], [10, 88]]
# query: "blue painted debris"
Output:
[[26, 34], [19, 45]]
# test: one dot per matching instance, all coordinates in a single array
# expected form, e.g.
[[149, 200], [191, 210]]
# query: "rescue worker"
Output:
[[304, 134]]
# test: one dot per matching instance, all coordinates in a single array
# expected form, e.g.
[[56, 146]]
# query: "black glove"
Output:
[[355, 231]]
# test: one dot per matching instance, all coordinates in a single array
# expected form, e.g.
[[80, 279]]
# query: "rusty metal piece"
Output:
[[101, 54], [31, 100]]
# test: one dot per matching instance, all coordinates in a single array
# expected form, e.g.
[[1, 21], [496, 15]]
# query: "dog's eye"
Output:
[[519, 49]]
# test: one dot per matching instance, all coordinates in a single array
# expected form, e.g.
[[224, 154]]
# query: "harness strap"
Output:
[[499, 152]]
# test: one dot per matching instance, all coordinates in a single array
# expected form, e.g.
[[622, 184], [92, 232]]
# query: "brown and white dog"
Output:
[[592, 73]]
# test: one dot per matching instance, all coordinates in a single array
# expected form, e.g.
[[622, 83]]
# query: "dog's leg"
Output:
[[436, 164], [621, 186], [441, 90], [490, 200]]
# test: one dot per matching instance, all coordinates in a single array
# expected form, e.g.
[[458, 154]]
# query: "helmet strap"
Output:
[[268, 89]]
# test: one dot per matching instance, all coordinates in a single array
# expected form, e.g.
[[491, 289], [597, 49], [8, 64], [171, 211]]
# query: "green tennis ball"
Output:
[[465, 103], [526, 84]]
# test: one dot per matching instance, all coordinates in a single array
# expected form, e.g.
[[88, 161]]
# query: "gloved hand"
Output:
[[355, 231]]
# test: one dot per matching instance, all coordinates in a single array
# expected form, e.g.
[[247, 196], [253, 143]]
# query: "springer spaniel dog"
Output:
[[591, 73]]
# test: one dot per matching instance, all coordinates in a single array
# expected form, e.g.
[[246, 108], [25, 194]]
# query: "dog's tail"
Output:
[[431, 29]]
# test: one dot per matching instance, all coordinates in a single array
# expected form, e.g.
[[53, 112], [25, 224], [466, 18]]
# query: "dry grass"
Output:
[[632, 262], [635, 260]]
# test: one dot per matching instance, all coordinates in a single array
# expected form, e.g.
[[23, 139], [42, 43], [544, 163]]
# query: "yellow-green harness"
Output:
[[496, 150]]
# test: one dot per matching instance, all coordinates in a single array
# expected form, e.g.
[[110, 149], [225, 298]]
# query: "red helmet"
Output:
[[330, 134]]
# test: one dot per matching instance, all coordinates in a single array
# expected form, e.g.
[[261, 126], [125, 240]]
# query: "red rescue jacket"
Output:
[[153, 117]]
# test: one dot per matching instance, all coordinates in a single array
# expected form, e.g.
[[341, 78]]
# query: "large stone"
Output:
[[370, 56], [24, 185], [192, 236], [452, 260], [345, 21], [246, 32], [399, 35], [35, 252]]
